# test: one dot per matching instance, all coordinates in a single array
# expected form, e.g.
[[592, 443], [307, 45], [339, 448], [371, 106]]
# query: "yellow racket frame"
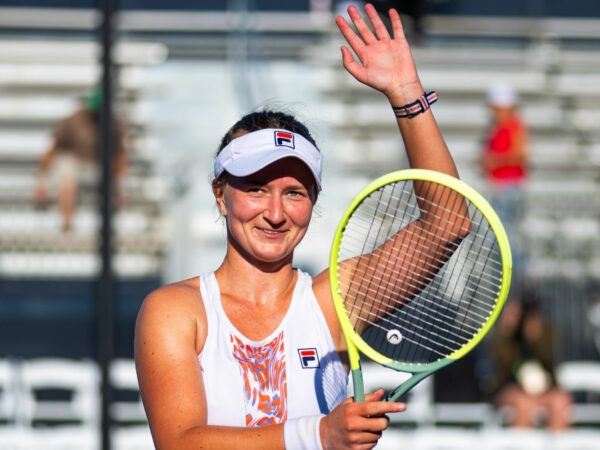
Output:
[[354, 341]]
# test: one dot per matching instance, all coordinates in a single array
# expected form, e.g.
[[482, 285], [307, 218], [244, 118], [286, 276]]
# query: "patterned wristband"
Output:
[[417, 107]]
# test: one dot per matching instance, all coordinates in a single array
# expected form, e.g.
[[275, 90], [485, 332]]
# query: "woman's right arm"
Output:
[[170, 332]]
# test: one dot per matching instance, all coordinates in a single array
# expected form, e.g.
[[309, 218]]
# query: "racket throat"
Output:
[[394, 395]]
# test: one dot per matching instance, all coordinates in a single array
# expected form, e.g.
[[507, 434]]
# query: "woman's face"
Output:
[[268, 213]]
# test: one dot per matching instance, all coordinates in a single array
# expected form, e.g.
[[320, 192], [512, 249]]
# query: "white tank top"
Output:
[[294, 372]]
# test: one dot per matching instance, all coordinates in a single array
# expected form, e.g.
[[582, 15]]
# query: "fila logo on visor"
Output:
[[284, 139], [309, 358]]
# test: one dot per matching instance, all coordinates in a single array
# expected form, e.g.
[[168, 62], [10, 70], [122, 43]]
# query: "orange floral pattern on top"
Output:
[[265, 382]]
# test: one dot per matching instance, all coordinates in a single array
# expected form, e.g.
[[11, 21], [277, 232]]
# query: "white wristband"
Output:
[[303, 433]]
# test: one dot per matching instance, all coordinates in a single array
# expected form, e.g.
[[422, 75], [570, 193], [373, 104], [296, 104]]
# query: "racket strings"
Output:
[[489, 283], [389, 209], [428, 314], [428, 308], [429, 319], [454, 299], [418, 247], [376, 280], [423, 342], [429, 328], [386, 202]]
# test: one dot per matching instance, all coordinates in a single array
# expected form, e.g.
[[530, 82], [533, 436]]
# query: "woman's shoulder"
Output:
[[320, 285], [179, 297], [170, 324]]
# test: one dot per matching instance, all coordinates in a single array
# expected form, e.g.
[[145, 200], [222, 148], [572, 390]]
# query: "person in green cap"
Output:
[[73, 157]]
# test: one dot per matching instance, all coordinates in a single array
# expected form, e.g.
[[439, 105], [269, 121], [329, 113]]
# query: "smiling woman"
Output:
[[265, 195], [268, 212], [252, 354]]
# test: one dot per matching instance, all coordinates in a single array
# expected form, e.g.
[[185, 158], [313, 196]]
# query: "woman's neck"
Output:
[[257, 283], [255, 301]]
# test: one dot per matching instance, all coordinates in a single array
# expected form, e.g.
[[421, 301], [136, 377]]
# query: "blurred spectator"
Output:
[[522, 348], [73, 157], [504, 161]]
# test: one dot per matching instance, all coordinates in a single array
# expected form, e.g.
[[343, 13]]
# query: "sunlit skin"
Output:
[[268, 213]]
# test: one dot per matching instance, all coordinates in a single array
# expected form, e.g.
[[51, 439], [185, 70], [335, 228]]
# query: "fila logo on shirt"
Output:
[[284, 139], [309, 358]]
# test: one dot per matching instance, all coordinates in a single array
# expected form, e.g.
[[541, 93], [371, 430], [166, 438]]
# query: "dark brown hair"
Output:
[[260, 120]]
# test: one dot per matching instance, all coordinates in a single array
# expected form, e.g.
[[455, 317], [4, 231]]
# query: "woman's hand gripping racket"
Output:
[[420, 269]]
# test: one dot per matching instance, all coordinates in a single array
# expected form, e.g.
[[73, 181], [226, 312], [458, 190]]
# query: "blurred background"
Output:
[[184, 72]]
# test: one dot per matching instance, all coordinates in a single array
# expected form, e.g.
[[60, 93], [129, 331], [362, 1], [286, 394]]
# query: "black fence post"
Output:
[[105, 317]]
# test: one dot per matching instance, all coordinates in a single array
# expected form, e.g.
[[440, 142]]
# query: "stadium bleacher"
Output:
[[41, 83]]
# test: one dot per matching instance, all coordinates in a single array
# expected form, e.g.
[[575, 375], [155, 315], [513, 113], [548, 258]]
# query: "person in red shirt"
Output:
[[505, 156], [504, 162]]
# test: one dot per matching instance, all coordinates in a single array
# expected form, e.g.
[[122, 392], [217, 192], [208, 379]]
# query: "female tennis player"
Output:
[[252, 355]]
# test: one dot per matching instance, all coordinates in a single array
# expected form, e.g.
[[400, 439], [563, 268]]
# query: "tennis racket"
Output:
[[420, 268]]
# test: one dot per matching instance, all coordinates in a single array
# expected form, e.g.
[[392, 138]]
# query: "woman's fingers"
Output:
[[378, 26], [397, 28], [361, 26]]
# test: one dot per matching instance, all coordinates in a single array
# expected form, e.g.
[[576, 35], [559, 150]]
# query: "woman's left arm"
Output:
[[385, 63]]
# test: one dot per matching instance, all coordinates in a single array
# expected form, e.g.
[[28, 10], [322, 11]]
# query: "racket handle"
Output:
[[359, 387]]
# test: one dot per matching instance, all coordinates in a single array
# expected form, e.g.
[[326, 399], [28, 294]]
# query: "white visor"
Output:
[[254, 151]]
